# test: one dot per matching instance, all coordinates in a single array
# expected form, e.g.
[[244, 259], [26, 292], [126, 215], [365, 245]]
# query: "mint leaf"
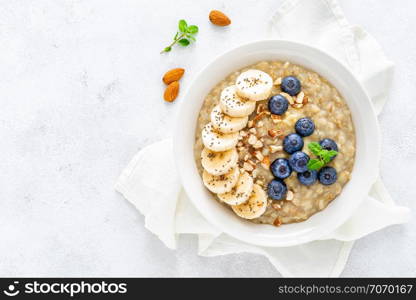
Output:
[[326, 155], [315, 148], [323, 156], [184, 42], [315, 164], [332, 153], [182, 25], [193, 29]]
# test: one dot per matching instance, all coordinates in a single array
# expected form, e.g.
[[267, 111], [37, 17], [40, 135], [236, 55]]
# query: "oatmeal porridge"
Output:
[[274, 142]]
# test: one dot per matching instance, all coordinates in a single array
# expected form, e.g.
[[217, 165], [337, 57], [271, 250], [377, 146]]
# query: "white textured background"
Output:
[[80, 94]]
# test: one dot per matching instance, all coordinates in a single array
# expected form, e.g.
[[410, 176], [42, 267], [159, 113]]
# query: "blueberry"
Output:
[[304, 127], [329, 144], [293, 142], [276, 189], [278, 105], [327, 175], [290, 85], [281, 168], [308, 178], [299, 161]]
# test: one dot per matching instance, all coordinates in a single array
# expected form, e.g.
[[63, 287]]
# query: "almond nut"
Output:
[[274, 132], [278, 81], [277, 222], [258, 145], [261, 107], [259, 182], [276, 206], [288, 97], [276, 118], [247, 167], [258, 155], [252, 163], [173, 75], [252, 139], [274, 148], [260, 115], [171, 91], [265, 151], [299, 98], [219, 18]]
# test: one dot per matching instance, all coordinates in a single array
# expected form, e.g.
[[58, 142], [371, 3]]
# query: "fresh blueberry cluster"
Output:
[[282, 168]]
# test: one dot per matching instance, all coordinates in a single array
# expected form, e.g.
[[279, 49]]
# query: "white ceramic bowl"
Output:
[[367, 134]]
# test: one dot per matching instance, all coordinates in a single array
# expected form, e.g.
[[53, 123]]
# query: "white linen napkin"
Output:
[[168, 212]]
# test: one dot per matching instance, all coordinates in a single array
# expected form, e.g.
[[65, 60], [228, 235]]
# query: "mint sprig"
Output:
[[185, 34], [323, 156]]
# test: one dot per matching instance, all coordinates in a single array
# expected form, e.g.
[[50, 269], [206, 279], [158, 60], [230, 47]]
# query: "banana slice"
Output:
[[254, 85], [217, 141], [240, 192], [221, 183], [254, 207], [226, 124], [233, 105], [218, 163]]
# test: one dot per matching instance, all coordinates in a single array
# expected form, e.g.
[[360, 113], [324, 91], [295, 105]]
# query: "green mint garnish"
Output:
[[323, 156], [183, 36], [315, 148], [315, 164]]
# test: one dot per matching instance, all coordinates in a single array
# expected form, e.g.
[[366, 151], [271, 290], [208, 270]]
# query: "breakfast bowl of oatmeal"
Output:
[[276, 143]]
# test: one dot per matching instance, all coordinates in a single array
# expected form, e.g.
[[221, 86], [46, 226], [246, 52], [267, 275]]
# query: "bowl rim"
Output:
[[179, 159]]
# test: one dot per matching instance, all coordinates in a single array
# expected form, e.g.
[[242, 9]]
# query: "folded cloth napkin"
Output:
[[168, 212]]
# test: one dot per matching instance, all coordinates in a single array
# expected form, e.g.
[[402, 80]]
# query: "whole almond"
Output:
[[173, 75], [219, 18], [171, 91]]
